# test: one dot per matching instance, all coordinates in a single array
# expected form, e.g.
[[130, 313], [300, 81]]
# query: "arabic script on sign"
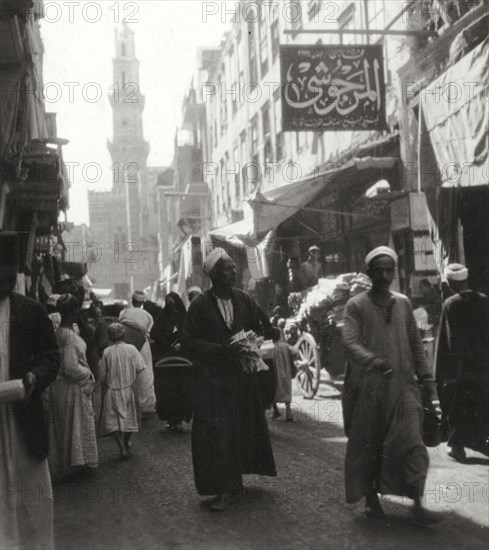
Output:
[[332, 88]]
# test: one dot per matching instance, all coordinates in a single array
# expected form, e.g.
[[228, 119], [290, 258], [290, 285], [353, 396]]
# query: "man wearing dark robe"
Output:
[[462, 366], [28, 354], [229, 433]]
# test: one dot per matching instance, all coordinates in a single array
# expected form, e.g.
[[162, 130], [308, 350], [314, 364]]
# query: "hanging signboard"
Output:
[[332, 88]]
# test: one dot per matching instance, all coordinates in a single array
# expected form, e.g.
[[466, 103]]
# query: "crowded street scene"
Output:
[[244, 274]]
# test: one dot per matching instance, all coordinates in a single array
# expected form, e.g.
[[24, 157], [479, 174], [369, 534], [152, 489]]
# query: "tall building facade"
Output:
[[121, 220]]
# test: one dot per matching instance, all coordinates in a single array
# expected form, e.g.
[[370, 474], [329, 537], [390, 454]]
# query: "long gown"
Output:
[[229, 432], [462, 370], [121, 364], [383, 414], [145, 381], [72, 436], [26, 517]]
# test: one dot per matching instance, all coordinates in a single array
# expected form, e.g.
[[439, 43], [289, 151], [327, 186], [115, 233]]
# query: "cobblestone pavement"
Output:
[[149, 502]]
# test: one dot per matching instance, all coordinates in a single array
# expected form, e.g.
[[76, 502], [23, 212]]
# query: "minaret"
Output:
[[128, 149]]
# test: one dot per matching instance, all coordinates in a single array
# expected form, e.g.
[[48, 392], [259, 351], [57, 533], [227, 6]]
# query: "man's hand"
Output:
[[381, 365], [29, 384]]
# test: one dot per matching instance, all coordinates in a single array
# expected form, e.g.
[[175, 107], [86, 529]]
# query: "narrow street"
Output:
[[150, 502]]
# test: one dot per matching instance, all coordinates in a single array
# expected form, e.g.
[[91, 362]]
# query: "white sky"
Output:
[[79, 49]]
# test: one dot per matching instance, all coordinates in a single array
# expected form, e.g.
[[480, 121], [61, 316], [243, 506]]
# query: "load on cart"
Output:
[[315, 328]]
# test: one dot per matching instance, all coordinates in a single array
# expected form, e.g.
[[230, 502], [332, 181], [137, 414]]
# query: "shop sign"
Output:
[[419, 212], [336, 88], [424, 258]]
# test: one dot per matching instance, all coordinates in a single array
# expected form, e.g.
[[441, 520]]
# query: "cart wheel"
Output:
[[308, 375]]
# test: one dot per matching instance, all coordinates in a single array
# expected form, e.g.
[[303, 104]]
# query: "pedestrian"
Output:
[[230, 433], [72, 439], [431, 301], [145, 382], [29, 356], [462, 366], [152, 308], [382, 407], [120, 366], [173, 382], [284, 356], [312, 269]]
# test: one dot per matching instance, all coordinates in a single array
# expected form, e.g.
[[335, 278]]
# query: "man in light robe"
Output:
[[462, 366], [145, 381], [312, 269], [229, 433], [382, 404], [28, 353]]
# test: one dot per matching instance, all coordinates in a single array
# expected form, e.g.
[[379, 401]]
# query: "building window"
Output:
[[252, 53], [237, 179], [267, 139], [346, 21], [279, 135], [253, 172], [295, 16], [313, 9], [223, 102], [262, 31], [244, 160], [275, 36]]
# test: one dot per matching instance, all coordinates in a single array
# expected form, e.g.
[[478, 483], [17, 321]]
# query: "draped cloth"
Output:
[[383, 414], [229, 432], [72, 435], [121, 363], [26, 498], [145, 381], [462, 370]]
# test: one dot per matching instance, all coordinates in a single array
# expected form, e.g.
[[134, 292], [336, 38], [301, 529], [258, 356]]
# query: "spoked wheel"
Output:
[[309, 371]]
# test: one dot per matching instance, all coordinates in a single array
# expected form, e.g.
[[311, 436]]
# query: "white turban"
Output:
[[456, 272], [380, 251], [213, 257]]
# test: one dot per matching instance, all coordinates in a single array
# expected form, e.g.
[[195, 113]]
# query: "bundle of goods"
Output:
[[249, 355], [325, 302], [294, 301]]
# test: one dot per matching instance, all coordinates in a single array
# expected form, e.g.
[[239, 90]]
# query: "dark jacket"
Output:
[[33, 348]]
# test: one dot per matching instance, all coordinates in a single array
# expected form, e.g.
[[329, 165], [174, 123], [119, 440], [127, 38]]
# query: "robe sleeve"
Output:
[[192, 338], [421, 365], [46, 352], [352, 336], [139, 362], [71, 367]]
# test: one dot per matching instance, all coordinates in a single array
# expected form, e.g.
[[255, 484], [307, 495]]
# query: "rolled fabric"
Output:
[[12, 391], [380, 251]]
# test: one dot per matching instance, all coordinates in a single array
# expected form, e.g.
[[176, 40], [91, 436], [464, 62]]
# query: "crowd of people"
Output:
[[98, 376]]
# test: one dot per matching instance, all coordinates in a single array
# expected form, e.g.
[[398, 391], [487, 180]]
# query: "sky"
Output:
[[79, 41]]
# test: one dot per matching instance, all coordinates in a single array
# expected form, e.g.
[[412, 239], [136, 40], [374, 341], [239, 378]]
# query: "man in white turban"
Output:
[[385, 451], [462, 366], [229, 432]]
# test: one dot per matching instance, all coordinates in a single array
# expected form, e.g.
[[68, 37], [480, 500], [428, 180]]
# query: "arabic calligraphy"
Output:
[[332, 88]]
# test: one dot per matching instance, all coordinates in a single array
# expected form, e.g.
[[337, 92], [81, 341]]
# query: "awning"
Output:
[[237, 230], [454, 124], [274, 206]]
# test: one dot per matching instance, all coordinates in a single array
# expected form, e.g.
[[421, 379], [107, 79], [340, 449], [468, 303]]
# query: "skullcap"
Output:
[[115, 331], [213, 257], [456, 272], [380, 251], [139, 296]]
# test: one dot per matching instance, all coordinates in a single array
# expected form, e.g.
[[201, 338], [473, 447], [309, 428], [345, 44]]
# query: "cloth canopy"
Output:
[[455, 120]]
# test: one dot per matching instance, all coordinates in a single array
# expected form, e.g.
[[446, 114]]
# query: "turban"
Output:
[[313, 248], [380, 251], [115, 331], [213, 257], [53, 300], [139, 296], [456, 272], [194, 289]]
